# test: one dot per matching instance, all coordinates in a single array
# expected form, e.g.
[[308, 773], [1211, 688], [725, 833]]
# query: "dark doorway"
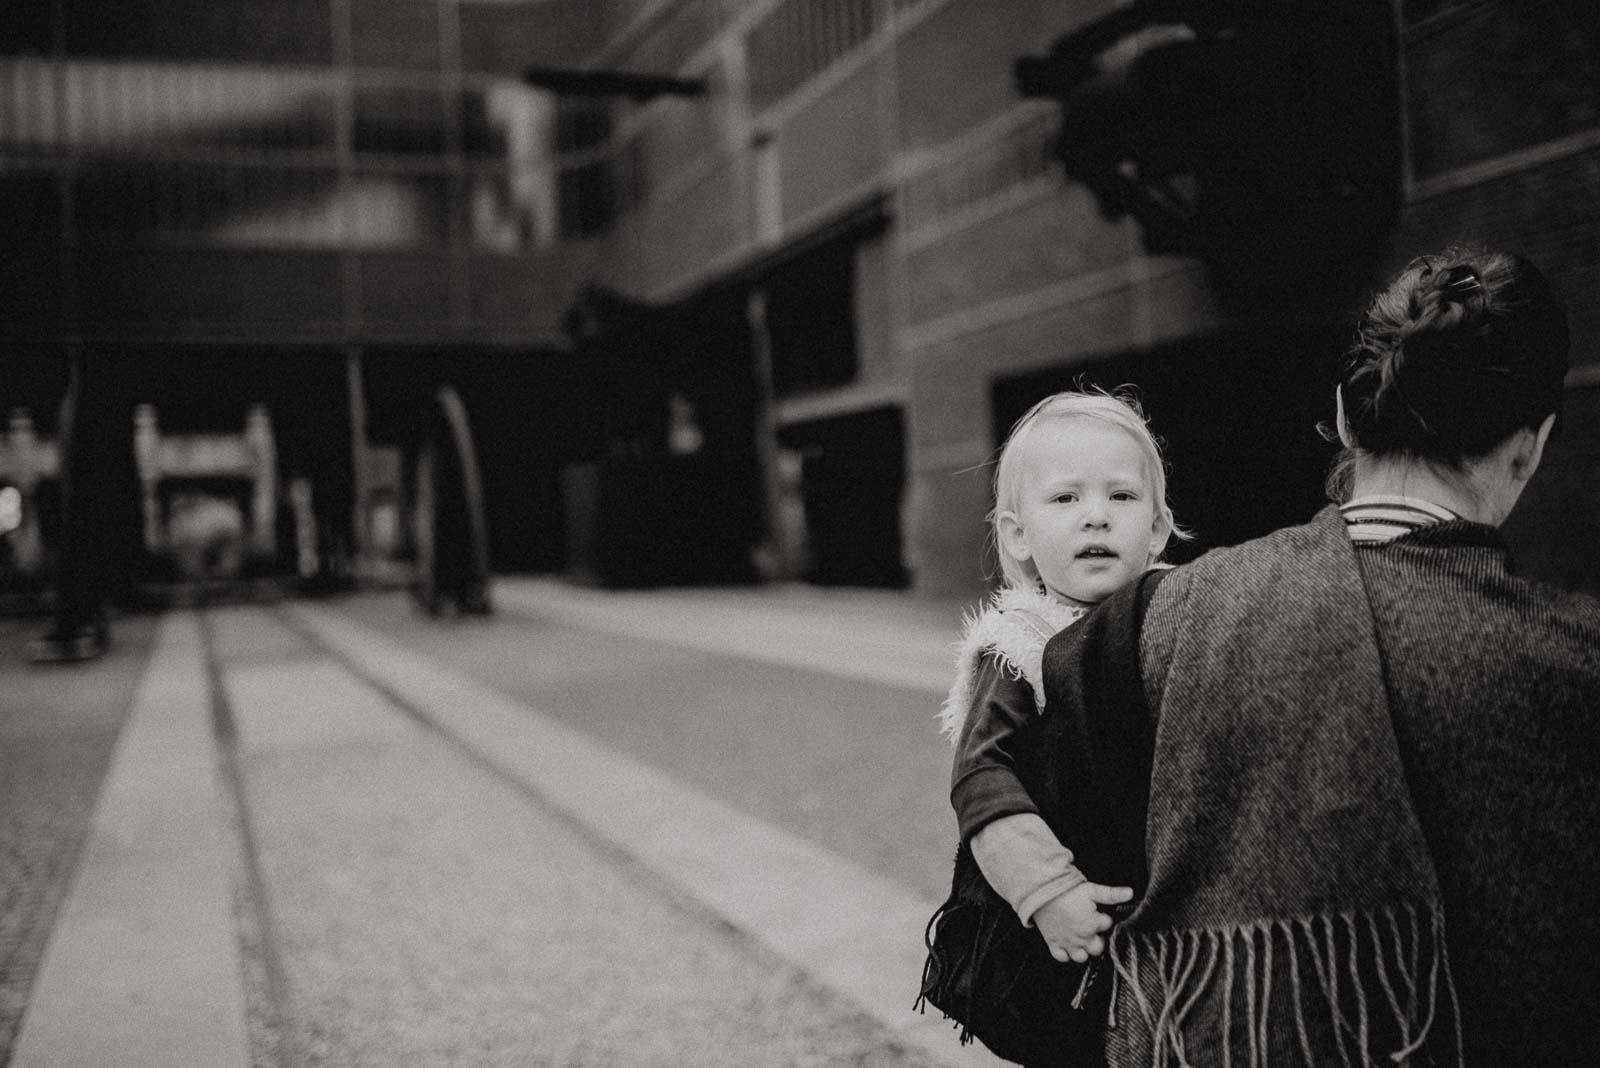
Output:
[[851, 482], [666, 489]]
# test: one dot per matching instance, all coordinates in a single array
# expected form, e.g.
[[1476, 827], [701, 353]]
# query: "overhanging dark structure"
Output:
[[1238, 130]]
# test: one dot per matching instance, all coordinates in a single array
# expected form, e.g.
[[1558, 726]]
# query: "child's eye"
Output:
[[1063, 498], [1124, 495]]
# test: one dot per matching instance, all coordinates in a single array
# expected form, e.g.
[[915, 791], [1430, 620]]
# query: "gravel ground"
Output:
[[58, 724], [428, 912]]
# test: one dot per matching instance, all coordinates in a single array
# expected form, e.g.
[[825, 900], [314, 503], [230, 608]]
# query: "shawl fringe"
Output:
[[1015, 624], [1319, 959]]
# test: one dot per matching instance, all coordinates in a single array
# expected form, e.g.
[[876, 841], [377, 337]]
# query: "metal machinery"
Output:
[[191, 519]]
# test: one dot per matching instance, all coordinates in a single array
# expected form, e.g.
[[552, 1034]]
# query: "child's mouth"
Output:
[[1096, 552]]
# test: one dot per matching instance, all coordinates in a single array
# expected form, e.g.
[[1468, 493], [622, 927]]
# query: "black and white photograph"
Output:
[[799, 533]]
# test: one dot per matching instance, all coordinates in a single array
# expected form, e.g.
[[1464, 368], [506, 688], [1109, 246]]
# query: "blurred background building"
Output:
[[738, 289]]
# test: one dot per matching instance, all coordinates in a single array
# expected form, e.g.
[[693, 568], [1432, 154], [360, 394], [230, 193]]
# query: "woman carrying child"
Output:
[[1370, 750]]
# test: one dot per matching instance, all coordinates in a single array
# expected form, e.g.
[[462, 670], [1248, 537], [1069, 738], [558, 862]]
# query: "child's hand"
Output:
[[1072, 925]]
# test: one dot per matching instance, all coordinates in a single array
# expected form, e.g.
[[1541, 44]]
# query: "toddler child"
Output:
[[1080, 510]]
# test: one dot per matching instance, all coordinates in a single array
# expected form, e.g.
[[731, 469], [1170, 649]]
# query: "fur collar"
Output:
[[1015, 624]]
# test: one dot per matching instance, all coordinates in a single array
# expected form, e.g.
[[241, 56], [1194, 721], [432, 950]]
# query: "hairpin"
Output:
[[1465, 283]]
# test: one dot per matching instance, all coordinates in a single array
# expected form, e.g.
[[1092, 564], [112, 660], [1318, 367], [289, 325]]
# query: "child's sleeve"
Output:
[[983, 781], [1016, 851], [1022, 859]]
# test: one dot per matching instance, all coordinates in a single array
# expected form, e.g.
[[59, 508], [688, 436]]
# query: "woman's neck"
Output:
[[1410, 478]]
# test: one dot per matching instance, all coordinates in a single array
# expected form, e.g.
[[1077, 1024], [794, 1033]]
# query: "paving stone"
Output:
[[58, 725], [429, 913]]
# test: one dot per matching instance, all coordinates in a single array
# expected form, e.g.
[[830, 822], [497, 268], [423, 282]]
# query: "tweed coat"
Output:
[[1373, 792]]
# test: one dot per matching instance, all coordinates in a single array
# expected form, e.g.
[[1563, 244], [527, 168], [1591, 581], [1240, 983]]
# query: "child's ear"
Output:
[[1160, 534], [1013, 539]]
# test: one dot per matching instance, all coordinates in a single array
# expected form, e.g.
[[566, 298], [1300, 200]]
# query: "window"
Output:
[[25, 27], [586, 185], [811, 320], [802, 38], [399, 121], [588, 199], [1417, 10]]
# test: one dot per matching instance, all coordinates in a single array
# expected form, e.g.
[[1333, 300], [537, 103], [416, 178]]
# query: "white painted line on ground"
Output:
[[915, 658], [855, 931], [142, 968]]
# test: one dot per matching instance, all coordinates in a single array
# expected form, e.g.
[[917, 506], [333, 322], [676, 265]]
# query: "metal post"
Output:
[[774, 554], [358, 451]]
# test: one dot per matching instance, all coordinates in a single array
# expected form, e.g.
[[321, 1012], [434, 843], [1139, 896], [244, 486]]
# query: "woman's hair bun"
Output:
[[1456, 352]]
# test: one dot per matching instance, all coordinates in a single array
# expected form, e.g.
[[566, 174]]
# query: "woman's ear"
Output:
[[1529, 449], [1013, 539], [1340, 422]]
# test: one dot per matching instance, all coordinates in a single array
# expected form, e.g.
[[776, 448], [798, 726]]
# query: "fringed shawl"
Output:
[[1292, 912], [1014, 625]]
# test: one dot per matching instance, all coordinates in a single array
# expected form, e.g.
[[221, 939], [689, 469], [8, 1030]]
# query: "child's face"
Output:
[[1086, 515]]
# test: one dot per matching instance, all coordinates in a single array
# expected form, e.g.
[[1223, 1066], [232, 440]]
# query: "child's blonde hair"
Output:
[[1119, 408]]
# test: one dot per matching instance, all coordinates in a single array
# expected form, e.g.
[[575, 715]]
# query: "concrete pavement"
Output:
[[145, 946], [878, 636], [58, 730], [433, 871]]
